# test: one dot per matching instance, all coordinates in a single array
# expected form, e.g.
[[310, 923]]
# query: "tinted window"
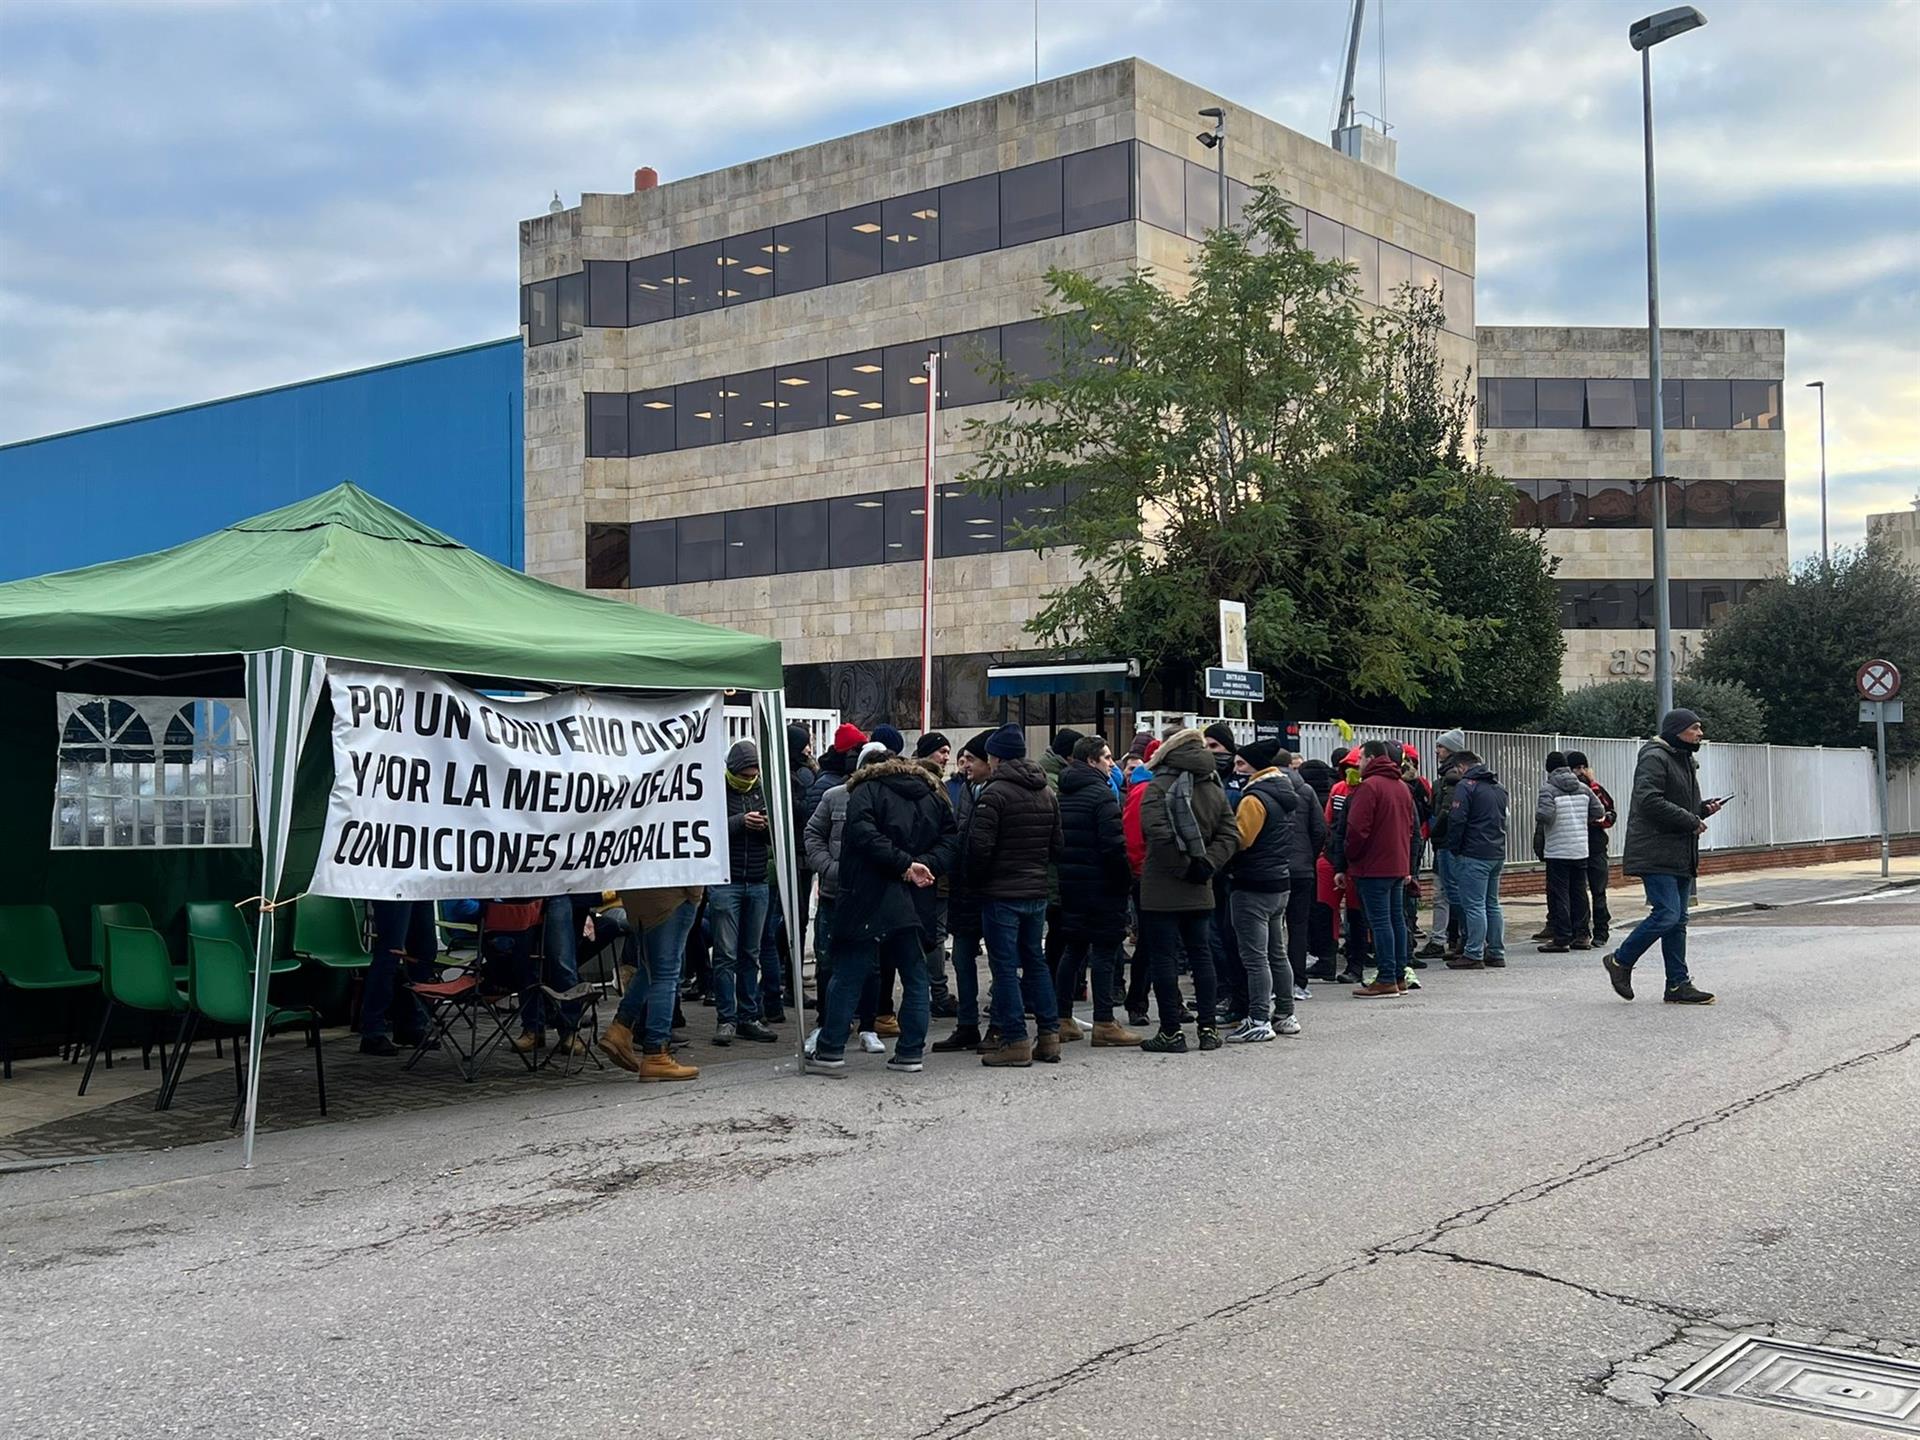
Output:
[[1163, 189], [910, 226], [607, 425], [1203, 200], [800, 255], [1610, 404], [904, 378], [1561, 404], [969, 524], [1756, 404], [1326, 238], [801, 392], [966, 368], [699, 414], [1709, 505], [1031, 349], [970, 217], [1708, 404], [750, 405], [1030, 203], [650, 289], [1759, 504], [800, 537], [1612, 504], [1459, 302], [1425, 275], [1670, 410], [1526, 511], [1364, 252], [1396, 269], [749, 266], [1561, 504], [905, 516], [853, 387], [1509, 402], [607, 292], [1098, 186], [702, 544], [750, 542], [543, 312], [1032, 510], [650, 421], [697, 279], [1239, 196], [606, 557], [853, 243], [653, 553], [573, 304], [858, 530]]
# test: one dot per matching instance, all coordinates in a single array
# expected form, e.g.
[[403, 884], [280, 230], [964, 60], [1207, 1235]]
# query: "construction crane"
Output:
[[1345, 107], [1352, 135]]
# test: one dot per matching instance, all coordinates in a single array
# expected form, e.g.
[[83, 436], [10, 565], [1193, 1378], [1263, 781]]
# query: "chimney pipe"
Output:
[[645, 178]]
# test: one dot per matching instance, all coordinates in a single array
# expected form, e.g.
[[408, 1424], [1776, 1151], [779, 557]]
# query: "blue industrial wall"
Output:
[[438, 436]]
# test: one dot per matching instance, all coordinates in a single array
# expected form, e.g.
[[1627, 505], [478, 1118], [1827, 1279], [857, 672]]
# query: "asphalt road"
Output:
[[1509, 1206]]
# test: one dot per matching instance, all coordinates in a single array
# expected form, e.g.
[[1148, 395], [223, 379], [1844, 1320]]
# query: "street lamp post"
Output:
[[1825, 558], [1643, 35], [1216, 141]]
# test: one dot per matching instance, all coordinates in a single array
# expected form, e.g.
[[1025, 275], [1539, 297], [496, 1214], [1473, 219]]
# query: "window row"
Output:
[[1628, 404], [990, 212], [835, 534], [821, 394], [1083, 191], [1628, 604], [1628, 504]]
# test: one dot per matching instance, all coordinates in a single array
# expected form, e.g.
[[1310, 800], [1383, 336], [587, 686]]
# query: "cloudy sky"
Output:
[[203, 198]]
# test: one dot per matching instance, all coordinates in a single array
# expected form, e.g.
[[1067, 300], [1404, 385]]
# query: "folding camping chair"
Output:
[[480, 995]]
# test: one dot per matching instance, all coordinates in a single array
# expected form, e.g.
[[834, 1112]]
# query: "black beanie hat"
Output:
[[1009, 742], [1063, 742], [1577, 759], [798, 738], [1556, 761], [928, 743], [977, 746], [1222, 732], [1260, 754], [1674, 721]]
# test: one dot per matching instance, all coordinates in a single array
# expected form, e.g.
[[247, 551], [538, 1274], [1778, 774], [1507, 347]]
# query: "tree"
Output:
[[1628, 708], [1337, 516], [1797, 643]]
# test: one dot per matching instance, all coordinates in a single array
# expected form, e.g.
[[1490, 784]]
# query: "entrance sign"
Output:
[[1877, 680], [1234, 684], [442, 793]]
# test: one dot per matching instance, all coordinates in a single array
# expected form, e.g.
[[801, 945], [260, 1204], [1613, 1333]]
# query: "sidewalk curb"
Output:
[[1755, 905]]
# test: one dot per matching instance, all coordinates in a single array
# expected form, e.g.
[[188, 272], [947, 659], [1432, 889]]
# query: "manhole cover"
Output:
[[1837, 1384]]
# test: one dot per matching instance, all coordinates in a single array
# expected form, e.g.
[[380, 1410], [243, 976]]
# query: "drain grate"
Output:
[[1811, 1379]]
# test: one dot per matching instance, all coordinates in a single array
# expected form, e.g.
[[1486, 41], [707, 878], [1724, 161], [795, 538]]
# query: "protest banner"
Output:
[[440, 792]]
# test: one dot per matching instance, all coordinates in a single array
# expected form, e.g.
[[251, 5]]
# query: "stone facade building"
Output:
[[1902, 530]]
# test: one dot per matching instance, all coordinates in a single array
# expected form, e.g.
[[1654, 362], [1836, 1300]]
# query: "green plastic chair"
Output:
[[139, 976], [220, 991], [327, 931], [218, 920], [33, 956], [122, 913]]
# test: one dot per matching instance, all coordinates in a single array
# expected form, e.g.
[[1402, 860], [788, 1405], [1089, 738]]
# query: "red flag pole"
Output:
[[926, 553]]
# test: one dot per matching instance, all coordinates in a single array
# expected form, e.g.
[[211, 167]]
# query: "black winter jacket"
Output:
[[1309, 835], [835, 767], [963, 906], [1013, 837], [1477, 814], [1094, 876], [746, 849], [895, 816], [1265, 865], [1663, 822]]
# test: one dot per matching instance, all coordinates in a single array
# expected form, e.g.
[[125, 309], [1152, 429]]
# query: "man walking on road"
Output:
[[1665, 821], [1013, 841], [1566, 808], [1379, 820]]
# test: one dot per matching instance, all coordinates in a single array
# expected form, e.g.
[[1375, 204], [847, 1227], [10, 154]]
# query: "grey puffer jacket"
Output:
[[824, 830], [1566, 808], [1663, 823]]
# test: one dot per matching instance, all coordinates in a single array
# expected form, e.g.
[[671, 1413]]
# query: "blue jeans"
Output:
[[1446, 882], [773, 984], [663, 952], [738, 914], [402, 930], [854, 961], [1017, 960], [560, 939], [966, 977], [1476, 891], [1387, 919], [1667, 894]]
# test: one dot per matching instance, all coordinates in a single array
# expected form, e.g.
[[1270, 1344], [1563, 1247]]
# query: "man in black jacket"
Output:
[[737, 910], [1309, 836], [963, 905], [1665, 821], [1094, 884], [1262, 883], [1013, 840], [899, 840]]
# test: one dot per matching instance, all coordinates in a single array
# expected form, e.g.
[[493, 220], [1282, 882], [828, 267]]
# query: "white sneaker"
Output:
[[1250, 1032], [812, 1036], [872, 1043], [1287, 1025], [1301, 992]]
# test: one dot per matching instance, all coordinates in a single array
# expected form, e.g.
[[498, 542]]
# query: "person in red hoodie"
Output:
[[1380, 819], [1137, 781]]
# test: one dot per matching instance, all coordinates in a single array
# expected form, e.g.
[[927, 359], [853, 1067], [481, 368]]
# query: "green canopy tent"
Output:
[[262, 605]]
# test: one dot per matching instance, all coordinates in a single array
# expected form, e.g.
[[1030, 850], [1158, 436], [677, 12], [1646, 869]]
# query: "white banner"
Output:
[[442, 793]]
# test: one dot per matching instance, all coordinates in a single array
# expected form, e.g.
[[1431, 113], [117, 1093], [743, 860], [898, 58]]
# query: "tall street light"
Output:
[[1643, 35], [1821, 386], [1216, 141]]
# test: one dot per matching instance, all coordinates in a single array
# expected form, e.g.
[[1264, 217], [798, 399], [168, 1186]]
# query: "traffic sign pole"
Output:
[[1886, 840]]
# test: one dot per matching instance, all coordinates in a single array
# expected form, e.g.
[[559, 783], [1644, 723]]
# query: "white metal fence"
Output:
[[1782, 794], [822, 724]]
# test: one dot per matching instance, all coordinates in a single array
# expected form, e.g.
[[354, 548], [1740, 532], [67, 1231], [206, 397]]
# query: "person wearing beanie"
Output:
[[1191, 835], [737, 910], [1475, 843], [1303, 878], [1450, 742], [963, 903], [1013, 841], [1230, 974], [1219, 737], [872, 753], [775, 950], [977, 746], [1451, 761], [891, 738], [1094, 885], [1058, 755], [1665, 821], [849, 738], [1262, 882], [1137, 781], [935, 747], [1598, 835], [1566, 808], [824, 841]]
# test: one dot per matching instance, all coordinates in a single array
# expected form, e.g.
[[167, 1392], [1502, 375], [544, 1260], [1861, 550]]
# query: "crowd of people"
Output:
[[1237, 872]]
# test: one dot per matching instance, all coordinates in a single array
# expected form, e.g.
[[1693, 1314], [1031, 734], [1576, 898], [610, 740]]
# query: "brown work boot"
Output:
[[887, 1026], [1112, 1032], [1466, 963], [1018, 1053], [628, 973], [1376, 990], [1070, 1029], [617, 1045], [1046, 1048], [658, 1065], [989, 1042], [528, 1041]]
